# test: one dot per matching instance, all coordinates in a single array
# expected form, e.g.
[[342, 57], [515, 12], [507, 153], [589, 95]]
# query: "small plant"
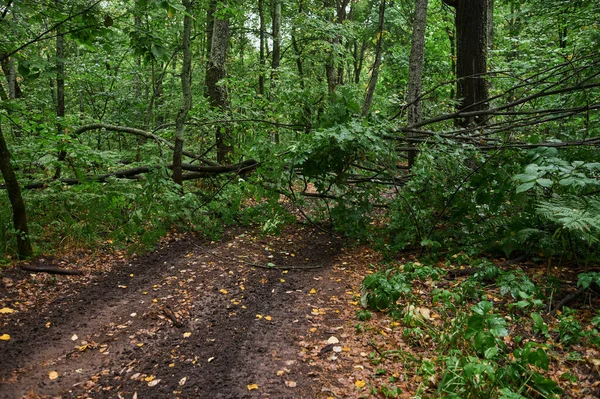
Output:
[[363, 315], [383, 289], [569, 328], [539, 326]]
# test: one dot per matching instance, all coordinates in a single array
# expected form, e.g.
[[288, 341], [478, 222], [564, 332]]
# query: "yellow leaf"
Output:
[[268, 318], [6, 310], [282, 280], [4, 337], [186, 334], [53, 375], [280, 373], [312, 330], [360, 384], [313, 291], [223, 291], [259, 316], [122, 286], [149, 378], [252, 387]]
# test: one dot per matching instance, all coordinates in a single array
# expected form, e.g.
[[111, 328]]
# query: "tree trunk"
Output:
[[261, 51], [60, 94], [376, 63], [217, 93], [16, 200], [415, 66], [490, 24], [186, 91], [471, 63]]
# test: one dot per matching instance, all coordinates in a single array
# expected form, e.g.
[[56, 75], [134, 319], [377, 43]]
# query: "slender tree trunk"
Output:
[[261, 51], [490, 24], [217, 93], [376, 63], [60, 94], [186, 91], [16, 200], [10, 72], [3, 95], [415, 66], [276, 55]]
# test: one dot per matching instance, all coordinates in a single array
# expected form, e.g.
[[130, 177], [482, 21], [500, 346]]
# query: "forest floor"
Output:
[[193, 319], [244, 317]]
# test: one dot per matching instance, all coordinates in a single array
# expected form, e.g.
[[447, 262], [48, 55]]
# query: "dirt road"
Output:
[[245, 317]]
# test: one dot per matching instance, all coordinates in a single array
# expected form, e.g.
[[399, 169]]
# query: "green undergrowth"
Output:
[[488, 334], [134, 215]]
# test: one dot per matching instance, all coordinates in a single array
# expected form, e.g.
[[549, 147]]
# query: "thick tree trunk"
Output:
[[16, 200], [186, 91], [217, 93], [376, 63], [415, 66], [471, 64]]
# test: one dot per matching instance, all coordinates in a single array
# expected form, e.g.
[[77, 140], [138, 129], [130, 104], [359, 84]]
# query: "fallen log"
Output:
[[51, 270]]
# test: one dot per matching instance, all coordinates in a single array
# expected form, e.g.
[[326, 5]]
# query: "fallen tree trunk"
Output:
[[51, 270], [197, 172]]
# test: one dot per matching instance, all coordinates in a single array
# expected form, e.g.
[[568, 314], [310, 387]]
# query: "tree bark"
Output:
[[376, 63], [60, 93], [415, 73], [217, 93], [24, 248], [471, 52], [261, 51], [186, 91]]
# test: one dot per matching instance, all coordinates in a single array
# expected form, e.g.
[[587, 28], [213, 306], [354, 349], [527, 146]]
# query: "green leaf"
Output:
[[525, 187], [545, 182]]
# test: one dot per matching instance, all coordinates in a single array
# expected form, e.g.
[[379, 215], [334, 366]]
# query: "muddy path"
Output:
[[195, 319]]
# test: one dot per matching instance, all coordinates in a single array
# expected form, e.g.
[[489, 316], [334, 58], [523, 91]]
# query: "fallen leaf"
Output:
[[122, 286], [313, 291], [360, 384], [280, 373], [268, 318], [186, 334], [333, 340], [154, 382], [282, 280], [74, 337], [182, 381], [210, 359], [252, 387], [4, 337], [259, 316], [337, 349], [53, 375], [223, 291], [291, 384], [6, 310], [149, 378], [312, 330]]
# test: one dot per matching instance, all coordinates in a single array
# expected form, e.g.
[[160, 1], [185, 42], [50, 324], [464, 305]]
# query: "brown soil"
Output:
[[195, 319]]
